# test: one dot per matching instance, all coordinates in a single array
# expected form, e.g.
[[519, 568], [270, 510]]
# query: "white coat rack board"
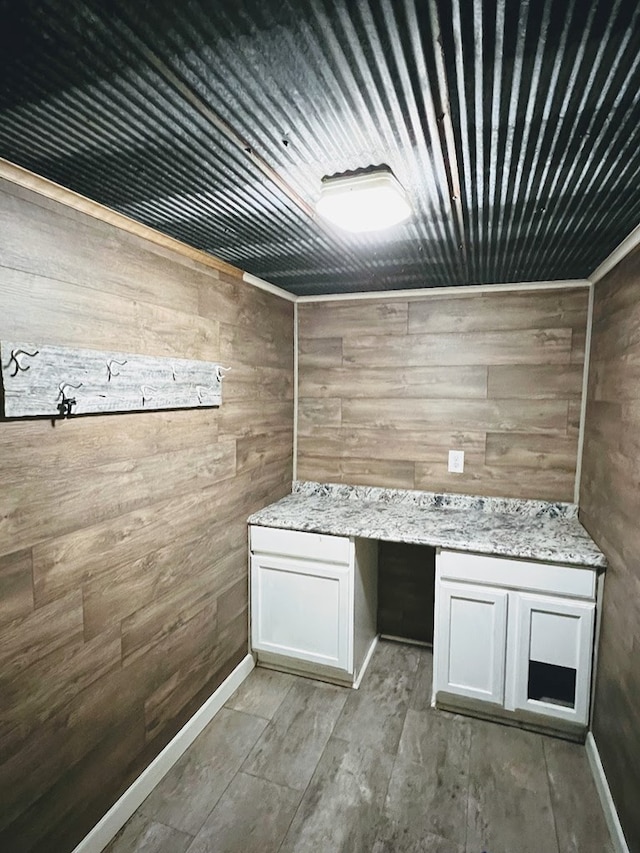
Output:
[[50, 381]]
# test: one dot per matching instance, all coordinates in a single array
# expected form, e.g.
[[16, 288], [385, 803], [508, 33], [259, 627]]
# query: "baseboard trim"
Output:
[[604, 792], [366, 661], [136, 794]]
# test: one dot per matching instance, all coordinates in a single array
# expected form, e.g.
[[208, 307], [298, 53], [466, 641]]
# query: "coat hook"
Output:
[[66, 403], [220, 371], [144, 390], [110, 371], [15, 355]]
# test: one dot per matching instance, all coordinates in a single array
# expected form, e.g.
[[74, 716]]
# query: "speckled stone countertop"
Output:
[[534, 530]]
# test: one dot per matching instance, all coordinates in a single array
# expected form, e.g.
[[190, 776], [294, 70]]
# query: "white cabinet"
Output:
[[514, 639], [471, 630], [302, 609], [313, 602]]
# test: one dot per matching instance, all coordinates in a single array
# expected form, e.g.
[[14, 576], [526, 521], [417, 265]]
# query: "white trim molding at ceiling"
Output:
[[261, 284], [109, 826], [625, 248], [456, 290]]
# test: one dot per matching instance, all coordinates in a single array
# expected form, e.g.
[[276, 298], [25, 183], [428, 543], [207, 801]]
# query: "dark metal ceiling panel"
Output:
[[514, 125]]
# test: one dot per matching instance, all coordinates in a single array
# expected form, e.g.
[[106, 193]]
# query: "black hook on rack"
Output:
[[14, 359], [66, 404]]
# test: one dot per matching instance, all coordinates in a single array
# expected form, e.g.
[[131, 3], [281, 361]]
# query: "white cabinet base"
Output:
[[313, 602], [285, 663], [514, 641], [520, 719]]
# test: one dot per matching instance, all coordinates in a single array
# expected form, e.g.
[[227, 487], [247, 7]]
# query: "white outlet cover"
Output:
[[456, 461]]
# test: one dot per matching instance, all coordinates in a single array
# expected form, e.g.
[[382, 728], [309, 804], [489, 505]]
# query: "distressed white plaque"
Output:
[[39, 379]]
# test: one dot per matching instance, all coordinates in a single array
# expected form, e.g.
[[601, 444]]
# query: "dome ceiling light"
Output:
[[367, 200]]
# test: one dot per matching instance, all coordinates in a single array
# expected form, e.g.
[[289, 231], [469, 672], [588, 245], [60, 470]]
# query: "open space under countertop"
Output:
[[532, 530]]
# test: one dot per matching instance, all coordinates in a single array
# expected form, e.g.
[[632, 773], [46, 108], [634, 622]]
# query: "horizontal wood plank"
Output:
[[383, 443], [499, 481], [348, 319], [535, 381], [367, 472], [67, 246], [490, 312], [16, 585], [92, 495], [522, 451], [527, 346], [324, 352], [467, 415], [312, 411], [78, 316], [52, 681], [458, 382]]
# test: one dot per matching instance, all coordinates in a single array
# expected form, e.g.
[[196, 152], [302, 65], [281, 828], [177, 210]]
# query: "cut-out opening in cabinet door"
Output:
[[554, 656], [551, 683]]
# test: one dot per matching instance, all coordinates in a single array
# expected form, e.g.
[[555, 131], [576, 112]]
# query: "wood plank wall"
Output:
[[610, 510], [387, 387], [123, 564]]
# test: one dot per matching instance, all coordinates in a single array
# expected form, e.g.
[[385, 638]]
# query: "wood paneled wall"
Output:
[[388, 387], [123, 564], [610, 510]]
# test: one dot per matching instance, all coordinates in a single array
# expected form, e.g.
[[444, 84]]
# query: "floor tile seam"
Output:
[[468, 808], [255, 775], [304, 793], [175, 828], [282, 733], [286, 693], [224, 790], [311, 777], [219, 800], [248, 713], [167, 824], [383, 816], [244, 714], [549, 791]]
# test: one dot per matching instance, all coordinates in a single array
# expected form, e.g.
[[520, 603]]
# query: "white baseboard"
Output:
[[608, 806], [366, 661], [136, 794]]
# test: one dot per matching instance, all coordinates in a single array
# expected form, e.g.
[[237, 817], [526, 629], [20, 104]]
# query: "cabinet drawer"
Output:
[[294, 543], [518, 574]]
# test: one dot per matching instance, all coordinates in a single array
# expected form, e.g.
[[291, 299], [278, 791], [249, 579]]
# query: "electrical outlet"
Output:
[[456, 461]]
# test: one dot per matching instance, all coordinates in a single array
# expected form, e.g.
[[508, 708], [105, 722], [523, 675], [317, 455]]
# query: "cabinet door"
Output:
[[552, 665], [470, 641], [303, 610]]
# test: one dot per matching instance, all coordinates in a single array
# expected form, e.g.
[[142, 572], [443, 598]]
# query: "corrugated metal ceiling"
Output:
[[514, 125]]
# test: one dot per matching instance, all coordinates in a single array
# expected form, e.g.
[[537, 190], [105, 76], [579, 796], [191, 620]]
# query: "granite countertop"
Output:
[[535, 530]]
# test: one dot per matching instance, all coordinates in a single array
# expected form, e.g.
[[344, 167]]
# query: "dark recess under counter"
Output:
[[406, 590]]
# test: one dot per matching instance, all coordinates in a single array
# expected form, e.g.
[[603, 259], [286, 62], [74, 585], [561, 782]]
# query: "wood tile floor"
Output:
[[297, 766]]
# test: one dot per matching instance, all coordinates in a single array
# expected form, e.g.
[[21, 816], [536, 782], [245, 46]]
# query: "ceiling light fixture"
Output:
[[367, 200]]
